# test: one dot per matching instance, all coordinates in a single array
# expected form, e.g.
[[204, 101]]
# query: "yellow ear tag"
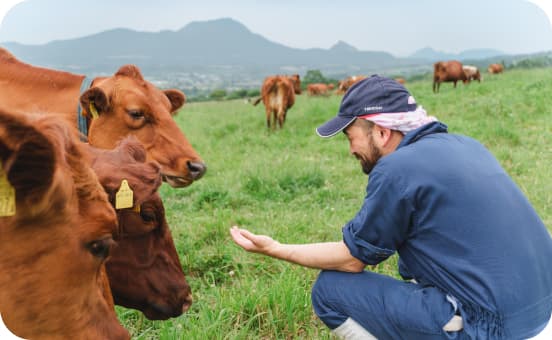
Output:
[[93, 110], [7, 195], [123, 198]]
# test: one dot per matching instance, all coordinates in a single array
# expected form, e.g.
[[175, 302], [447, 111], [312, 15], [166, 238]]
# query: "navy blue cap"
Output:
[[371, 95]]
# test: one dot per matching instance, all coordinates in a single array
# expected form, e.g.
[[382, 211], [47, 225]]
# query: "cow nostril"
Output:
[[197, 169]]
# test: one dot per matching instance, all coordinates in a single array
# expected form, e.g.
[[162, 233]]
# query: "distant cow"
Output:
[[447, 71], [400, 80], [344, 84], [495, 68], [318, 89], [112, 107], [278, 95], [55, 234], [144, 269], [471, 73]]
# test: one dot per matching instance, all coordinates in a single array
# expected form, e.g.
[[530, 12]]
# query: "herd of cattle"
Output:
[[278, 92], [81, 162]]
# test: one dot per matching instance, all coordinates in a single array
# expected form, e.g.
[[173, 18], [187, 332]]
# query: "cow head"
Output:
[[296, 81], [126, 104], [54, 244], [144, 269]]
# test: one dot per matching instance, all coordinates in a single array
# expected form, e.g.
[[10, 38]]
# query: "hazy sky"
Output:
[[397, 26]]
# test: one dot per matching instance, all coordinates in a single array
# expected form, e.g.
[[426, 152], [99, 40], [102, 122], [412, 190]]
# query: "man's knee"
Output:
[[323, 299]]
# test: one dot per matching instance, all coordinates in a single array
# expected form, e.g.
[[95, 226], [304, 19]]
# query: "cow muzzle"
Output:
[[195, 171]]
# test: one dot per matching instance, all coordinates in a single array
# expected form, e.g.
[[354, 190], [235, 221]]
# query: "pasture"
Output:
[[297, 187]]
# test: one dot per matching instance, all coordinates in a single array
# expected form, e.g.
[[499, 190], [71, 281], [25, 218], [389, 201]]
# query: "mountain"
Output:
[[216, 42], [432, 55]]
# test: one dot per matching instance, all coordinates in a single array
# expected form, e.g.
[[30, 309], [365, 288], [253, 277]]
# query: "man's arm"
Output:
[[327, 255]]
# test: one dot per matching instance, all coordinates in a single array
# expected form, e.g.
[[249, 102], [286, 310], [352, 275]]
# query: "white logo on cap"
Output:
[[372, 108], [411, 100]]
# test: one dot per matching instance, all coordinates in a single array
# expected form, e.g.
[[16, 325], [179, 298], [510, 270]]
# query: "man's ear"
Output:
[[381, 135], [94, 102]]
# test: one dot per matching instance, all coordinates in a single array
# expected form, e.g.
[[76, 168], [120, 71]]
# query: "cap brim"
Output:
[[334, 126]]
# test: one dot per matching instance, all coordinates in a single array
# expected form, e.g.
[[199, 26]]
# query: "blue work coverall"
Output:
[[463, 230]]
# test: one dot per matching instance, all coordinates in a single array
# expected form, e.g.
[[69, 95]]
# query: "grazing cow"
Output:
[[495, 68], [112, 107], [346, 83], [400, 80], [278, 95], [471, 73], [144, 269], [55, 234], [318, 89], [447, 71]]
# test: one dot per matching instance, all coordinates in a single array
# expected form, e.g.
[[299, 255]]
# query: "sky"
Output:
[[399, 27]]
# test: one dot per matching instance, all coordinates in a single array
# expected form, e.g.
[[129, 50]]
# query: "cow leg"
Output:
[[281, 118], [454, 83], [268, 112], [275, 121]]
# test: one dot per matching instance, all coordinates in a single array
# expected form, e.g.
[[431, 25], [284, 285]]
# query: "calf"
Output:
[[144, 269], [55, 234]]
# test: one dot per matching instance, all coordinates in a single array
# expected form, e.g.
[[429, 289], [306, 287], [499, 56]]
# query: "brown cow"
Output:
[[495, 68], [144, 269], [447, 71], [54, 244], [346, 83], [400, 80], [278, 95], [318, 89], [472, 73], [113, 106]]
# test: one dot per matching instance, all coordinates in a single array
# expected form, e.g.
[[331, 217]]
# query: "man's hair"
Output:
[[367, 124]]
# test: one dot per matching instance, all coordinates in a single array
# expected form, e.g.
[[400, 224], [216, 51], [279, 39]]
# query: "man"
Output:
[[477, 257]]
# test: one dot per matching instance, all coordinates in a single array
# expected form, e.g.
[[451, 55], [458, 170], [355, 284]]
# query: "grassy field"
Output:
[[298, 188]]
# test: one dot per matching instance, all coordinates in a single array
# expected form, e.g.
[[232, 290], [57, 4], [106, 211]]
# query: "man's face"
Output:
[[362, 146]]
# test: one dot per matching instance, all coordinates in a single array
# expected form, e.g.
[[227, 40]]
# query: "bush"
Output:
[[218, 94]]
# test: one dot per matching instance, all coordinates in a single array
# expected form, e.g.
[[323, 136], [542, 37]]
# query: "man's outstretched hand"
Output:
[[254, 243]]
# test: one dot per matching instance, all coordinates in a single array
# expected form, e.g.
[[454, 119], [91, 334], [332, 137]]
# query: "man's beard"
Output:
[[370, 163]]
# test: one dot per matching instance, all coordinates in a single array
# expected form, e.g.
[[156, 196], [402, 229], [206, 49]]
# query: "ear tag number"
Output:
[[93, 110], [7, 195], [123, 198]]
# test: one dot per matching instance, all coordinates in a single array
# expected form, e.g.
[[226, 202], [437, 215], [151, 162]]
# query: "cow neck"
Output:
[[82, 121]]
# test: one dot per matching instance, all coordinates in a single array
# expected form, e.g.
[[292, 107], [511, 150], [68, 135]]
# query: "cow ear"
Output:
[[177, 99], [94, 102], [28, 161]]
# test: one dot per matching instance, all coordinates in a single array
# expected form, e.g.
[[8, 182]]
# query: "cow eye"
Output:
[[136, 114], [100, 248], [147, 216]]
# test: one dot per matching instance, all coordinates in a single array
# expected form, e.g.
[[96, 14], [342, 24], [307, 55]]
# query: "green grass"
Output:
[[299, 188]]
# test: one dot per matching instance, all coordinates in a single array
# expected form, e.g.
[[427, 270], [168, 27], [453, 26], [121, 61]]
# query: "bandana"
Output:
[[401, 121]]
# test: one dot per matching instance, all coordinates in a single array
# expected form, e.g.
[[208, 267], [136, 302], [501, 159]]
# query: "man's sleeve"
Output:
[[382, 224]]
